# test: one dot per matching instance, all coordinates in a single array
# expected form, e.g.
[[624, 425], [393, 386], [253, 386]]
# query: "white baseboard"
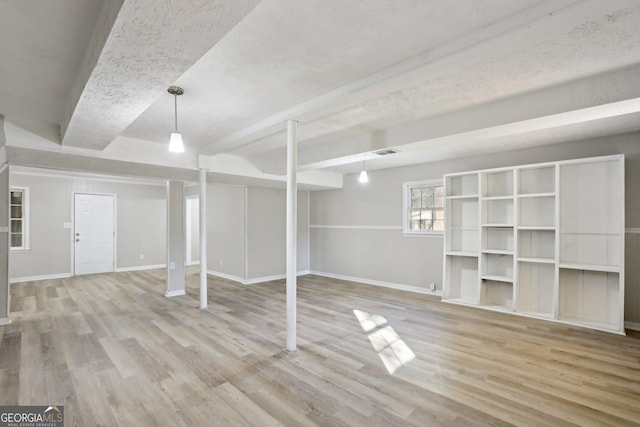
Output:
[[225, 276], [255, 280], [177, 293], [634, 326], [4, 321], [140, 268], [391, 285], [43, 277], [189, 264]]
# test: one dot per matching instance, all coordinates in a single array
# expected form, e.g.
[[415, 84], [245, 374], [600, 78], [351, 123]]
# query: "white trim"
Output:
[[632, 231], [391, 285], [140, 268], [225, 276], [86, 176], [4, 321], [421, 234], [357, 227], [175, 293], [189, 264], [255, 280], [43, 277], [406, 186], [634, 326], [264, 279]]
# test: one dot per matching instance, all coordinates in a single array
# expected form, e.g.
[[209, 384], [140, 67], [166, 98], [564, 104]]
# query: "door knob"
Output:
[[77, 240]]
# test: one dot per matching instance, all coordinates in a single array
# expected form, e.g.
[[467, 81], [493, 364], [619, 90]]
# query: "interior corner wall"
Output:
[[266, 232], [357, 231], [140, 223], [226, 230]]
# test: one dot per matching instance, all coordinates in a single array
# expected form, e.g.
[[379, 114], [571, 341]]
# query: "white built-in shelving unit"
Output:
[[542, 240]]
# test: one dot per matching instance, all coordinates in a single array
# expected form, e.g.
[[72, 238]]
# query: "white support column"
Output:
[[203, 239], [292, 213], [175, 239]]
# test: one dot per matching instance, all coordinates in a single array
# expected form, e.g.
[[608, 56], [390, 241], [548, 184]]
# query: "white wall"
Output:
[[140, 223], [246, 238], [357, 231], [266, 232], [226, 230]]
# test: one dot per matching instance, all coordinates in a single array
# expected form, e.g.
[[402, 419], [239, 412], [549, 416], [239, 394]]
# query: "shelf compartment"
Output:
[[463, 240], [591, 249], [496, 184], [462, 279], [497, 211], [537, 211], [497, 295], [497, 238], [537, 180], [591, 197], [590, 297], [497, 267], [536, 244], [462, 185], [536, 288], [462, 212]]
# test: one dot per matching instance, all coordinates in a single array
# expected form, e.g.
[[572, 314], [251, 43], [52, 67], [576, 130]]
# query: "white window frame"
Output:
[[406, 202], [25, 218]]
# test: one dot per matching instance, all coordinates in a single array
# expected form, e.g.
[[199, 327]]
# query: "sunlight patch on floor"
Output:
[[391, 349]]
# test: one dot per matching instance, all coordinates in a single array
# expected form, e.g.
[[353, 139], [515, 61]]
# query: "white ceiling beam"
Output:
[[604, 91], [515, 32]]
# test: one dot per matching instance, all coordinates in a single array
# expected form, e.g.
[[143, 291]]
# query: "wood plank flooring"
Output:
[[115, 351]]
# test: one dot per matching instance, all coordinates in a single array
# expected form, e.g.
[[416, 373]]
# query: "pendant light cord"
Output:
[[175, 110]]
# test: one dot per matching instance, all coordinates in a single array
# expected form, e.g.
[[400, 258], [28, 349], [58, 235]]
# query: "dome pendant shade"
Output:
[[364, 177]]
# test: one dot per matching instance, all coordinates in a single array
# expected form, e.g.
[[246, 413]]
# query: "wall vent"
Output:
[[386, 152]]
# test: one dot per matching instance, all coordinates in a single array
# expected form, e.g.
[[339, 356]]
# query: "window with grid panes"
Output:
[[424, 207], [18, 220]]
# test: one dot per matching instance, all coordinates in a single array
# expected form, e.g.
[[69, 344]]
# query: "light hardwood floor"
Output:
[[114, 351]]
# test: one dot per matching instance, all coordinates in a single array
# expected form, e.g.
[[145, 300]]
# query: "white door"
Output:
[[94, 233]]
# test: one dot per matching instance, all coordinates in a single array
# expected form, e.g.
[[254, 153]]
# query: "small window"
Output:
[[424, 207], [19, 218]]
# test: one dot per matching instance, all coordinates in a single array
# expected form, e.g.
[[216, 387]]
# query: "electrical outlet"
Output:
[[172, 266], [220, 261], [141, 256], [432, 287]]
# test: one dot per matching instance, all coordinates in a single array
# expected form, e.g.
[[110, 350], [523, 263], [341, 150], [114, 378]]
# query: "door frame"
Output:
[[72, 234]]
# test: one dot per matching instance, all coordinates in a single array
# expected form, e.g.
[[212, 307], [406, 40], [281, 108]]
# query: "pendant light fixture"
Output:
[[364, 177], [175, 143]]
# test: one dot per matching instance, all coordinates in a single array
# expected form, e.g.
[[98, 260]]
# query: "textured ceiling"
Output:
[[434, 79]]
